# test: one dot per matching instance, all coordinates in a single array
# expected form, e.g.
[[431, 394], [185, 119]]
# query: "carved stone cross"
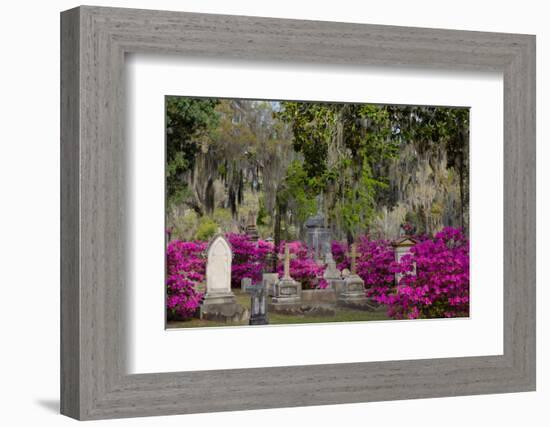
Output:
[[353, 255], [286, 264]]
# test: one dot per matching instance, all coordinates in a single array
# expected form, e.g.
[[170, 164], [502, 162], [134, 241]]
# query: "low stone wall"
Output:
[[319, 296]]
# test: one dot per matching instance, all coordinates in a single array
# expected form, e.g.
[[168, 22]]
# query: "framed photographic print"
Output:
[[317, 210], [305, 212]]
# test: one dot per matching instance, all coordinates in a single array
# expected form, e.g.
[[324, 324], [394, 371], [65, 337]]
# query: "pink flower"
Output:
[[185, 268], [440, 287]]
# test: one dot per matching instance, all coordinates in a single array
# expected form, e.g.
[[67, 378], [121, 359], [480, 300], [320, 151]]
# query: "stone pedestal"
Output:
[[222, 307], [287, 296], [352, 294], [319, 297], [332, 275], [337, 285], [287, 291]]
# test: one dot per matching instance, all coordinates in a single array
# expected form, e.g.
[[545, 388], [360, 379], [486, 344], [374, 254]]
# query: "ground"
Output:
[[342, 315]]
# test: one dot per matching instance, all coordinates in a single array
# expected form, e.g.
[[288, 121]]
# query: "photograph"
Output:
[[276, 214], [283, 212]]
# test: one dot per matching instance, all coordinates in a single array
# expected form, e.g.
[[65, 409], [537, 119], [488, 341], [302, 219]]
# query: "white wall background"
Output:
[[29, 211]]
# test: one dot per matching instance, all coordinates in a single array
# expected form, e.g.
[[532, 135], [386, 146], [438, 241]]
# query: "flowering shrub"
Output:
[[440, 287], [375, 266], [302, 268], [185, 268], [249, 257], [339, 253], [375, 263]]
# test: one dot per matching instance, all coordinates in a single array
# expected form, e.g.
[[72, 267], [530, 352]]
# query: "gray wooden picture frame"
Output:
[[94, 382]]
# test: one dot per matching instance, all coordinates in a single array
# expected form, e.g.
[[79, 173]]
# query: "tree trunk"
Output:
[[209, 196], [277, 236]]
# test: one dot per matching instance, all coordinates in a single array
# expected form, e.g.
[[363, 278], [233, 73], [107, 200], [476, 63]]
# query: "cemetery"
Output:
[[360, 287], [290, 212]]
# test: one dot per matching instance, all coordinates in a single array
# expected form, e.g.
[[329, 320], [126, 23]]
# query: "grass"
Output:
[[341, 315]]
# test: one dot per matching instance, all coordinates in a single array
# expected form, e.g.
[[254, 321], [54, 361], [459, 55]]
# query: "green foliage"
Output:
[[177, 193], [431, 129], [341, 145], [188, 123], [207, 229], [427, 127], [313, 126], [299, 188], [221, 216], [355, 210], [190, 226], [184, 227], [284, 161]]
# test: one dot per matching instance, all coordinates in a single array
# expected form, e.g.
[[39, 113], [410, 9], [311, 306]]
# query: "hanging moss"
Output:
[[373, 166]]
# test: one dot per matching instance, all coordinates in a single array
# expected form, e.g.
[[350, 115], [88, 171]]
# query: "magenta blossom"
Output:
[[441, 285], [185, 269], [302, 268]]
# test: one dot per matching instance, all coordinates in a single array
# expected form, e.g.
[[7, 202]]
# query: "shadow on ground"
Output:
[[51, 405]]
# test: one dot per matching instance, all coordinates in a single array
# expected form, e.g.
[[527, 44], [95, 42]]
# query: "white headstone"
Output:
[[218, 267]]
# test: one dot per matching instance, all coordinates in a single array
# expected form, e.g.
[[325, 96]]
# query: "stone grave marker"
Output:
[[318, 234], [251, 228], [401, 248], [219, 301], [258, 304], [287, 291], [332, 275], [353, 290]]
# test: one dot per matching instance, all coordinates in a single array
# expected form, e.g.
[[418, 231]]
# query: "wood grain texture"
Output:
[[70, 296], [94, 382]]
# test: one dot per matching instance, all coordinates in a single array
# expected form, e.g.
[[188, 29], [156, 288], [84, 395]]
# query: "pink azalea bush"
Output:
[[185, 269], [339, 253], [375, 266], [375, 263], [249, 257], [440, 287], [302, 268]]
